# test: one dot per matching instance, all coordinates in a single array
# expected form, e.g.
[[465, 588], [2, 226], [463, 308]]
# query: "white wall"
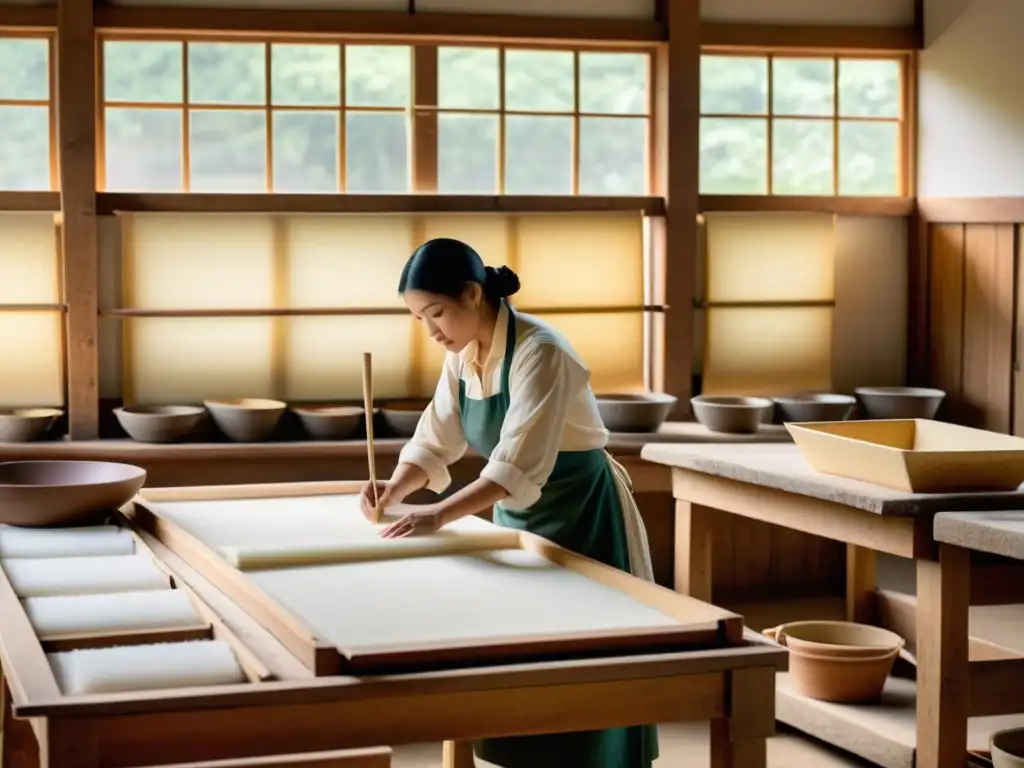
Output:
[[971, 103]]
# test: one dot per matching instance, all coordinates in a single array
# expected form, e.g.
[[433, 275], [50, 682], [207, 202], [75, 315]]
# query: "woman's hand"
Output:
[[423, 520], [387, 495]]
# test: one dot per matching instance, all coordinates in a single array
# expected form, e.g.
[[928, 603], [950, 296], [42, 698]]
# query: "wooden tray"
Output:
[[367, 608], [913, 455]]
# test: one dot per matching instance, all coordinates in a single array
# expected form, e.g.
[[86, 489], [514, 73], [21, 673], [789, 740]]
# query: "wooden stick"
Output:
[[368, 407]]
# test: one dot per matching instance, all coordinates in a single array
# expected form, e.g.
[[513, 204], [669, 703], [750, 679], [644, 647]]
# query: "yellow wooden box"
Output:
[[913, 455]]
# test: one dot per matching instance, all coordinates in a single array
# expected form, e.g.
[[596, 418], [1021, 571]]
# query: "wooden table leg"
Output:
[[740, 739], [20, 748], [860, 584], [458, 754], [693, 550], [943, 602]]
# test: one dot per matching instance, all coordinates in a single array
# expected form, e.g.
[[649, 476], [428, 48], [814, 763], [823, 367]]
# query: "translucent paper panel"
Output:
[[489, 234], [174, 261], [24, 148], [580, 260], [611, 345], [187, 360], [28, 260], [346, 261], [324, 356], [430, 358], [767, 351], [770, 257], [31, 355]]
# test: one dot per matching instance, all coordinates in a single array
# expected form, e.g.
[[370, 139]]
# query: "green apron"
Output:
[[578, 509]]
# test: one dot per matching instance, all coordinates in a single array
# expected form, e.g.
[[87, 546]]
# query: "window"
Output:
[[26, 121], [283, 305], [31, 315], [770, 295], [255, 117], [542, 122], [803, 125]]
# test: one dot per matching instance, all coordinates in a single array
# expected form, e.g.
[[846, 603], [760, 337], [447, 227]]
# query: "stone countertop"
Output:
[[783, 467], [998, 532]]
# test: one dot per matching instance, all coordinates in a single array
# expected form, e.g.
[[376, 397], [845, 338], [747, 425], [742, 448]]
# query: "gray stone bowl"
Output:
[[246, 419], [23, 425], [402, 417], [731, 414], [158, 423], [815, 407], [635, 413], [900, 402], [331, 422]]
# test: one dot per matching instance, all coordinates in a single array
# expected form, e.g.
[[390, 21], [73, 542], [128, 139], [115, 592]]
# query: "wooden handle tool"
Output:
[[368, 407]]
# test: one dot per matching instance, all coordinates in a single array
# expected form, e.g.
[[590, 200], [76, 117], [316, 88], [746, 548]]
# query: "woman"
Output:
[[514, 390]]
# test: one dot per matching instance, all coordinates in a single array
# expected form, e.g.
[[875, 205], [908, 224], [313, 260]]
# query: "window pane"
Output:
[[306, 151], [803, 86], [228, 151], [467, 154], [539, 81], [226, 73], [143, 149], [24, 68], [142, 71], [733, 156], [305, 75], [24, 148], [376, 152], [869, 87], [468, 78], [869, 158], [538, 155], [733, 85], [614, 83], [378, 75], [802, 157], [613, 156]]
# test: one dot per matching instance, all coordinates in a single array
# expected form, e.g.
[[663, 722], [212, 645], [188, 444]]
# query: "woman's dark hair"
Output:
[[444, 266]]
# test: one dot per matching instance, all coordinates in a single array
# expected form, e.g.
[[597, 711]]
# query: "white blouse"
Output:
[[551, 409]]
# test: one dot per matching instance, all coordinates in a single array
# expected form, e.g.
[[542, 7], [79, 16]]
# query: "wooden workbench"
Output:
[[773, 484], [728, 681]]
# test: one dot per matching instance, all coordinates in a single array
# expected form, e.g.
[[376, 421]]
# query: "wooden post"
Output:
[[76, 128], [675, 176], [740, 739], [693, 550]]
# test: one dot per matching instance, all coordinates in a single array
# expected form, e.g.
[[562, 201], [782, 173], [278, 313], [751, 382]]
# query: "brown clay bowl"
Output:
[[635, 413], [1007, 748], [402, 417], [37, 494], [836, 638], [841, 679], [23, 425], [246, 419], [158, 423], [331, 422]]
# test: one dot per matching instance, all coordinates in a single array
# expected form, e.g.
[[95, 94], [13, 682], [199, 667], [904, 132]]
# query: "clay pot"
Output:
[[815, 407], [835, 638], [64, 493], [1007, 748], [900, 402], [402, 417], [331, 422], [730, 414], [158, 423], [635, 413], [23, 425], [246, 420]]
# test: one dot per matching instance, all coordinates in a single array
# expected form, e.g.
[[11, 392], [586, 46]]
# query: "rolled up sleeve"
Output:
[[439, 440], [544, 380]]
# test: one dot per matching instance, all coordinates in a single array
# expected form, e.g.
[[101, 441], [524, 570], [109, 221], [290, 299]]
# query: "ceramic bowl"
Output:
[[36, 494], [23, 425], [731, 414], [900, 402], [815, 407], [245, 419], [402, 417], [635, 413], [331, 422], [158, 423], [1007, 748]]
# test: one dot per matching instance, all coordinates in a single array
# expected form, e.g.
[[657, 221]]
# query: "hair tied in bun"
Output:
[[501, 282]]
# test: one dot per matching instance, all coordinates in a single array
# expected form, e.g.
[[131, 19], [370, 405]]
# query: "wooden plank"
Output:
[[972, 210], [805, 37], [425, 120], [989, 256], [676, 178], [110, 203], [54, 643], [370, 757], [29, 201], [918, 310], [845, 206], [946, 313], [28, 18], [1018, 317], [76, 120]]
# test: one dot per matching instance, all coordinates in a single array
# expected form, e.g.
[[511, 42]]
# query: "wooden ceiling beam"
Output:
[[810, 38]]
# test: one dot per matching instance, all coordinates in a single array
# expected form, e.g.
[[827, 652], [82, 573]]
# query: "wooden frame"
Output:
[[714, 627], [371, 757]]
